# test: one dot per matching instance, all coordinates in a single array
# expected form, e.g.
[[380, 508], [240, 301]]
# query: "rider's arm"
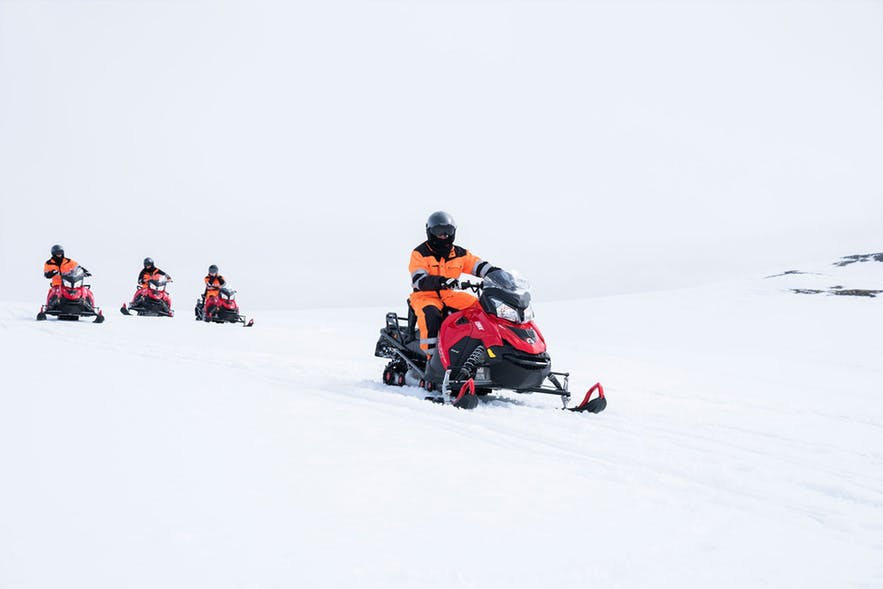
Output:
[[420, 277], [476, 266], [49, 270]]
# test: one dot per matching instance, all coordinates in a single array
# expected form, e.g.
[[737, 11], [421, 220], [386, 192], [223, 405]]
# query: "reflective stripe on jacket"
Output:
[[426, 262]]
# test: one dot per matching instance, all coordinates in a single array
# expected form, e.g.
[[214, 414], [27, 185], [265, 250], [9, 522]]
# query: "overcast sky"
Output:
[[596, 147]]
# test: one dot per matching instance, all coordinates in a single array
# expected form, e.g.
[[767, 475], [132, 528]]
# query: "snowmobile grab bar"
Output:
[[473, 286]]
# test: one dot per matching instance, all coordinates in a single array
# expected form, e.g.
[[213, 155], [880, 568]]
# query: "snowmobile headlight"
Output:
[[506, 312], [74, 283], [528, 314]]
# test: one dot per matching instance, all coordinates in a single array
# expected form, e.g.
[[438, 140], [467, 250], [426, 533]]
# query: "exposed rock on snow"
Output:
[[847, 260], [853, 278]]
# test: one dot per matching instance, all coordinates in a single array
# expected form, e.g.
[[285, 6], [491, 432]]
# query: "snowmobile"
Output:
[[493, 344], [72, 299], [224, 309], [151, 300]]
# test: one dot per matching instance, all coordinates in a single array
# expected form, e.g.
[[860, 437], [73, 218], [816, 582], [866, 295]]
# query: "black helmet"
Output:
[[212, 269], [57, 250], [440, 230], [148, 262]]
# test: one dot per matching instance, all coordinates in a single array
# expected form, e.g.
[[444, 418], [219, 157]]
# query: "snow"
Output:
[[639, 151], [742, 446]]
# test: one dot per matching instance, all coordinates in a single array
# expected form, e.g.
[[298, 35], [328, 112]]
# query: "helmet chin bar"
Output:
[[441, 245]]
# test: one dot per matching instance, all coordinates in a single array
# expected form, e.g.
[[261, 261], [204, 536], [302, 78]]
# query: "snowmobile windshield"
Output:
[[506, 281], [74, 278], [507, 297], [227, 294], [157, 284]]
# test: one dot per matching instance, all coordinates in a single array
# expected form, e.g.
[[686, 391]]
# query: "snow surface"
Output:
[[742, 447], [600, 148]]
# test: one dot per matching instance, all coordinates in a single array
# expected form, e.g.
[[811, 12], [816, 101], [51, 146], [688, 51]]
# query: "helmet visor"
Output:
[[442, 230]]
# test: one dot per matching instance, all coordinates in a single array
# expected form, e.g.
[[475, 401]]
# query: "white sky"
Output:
[[595, 147]]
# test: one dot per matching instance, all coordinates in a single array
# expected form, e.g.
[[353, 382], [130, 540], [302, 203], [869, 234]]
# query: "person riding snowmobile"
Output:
[[68, 297], [150, 271], [144, 276], [54, 268], [213, 284], [58, 265], [436, 265]]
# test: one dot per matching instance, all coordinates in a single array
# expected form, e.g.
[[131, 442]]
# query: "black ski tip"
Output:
[[596, 405], [466, 402], [593, 406], [124, 310], [99, 318], [41, 316]]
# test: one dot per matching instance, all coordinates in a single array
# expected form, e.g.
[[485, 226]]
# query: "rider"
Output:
[[149, 271], [213, 284], [145, 275], [436, 265], [55, 267]]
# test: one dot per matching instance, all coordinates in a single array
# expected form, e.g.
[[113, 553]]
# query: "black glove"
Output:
[[50, 274], [438, 283], [431, 282]]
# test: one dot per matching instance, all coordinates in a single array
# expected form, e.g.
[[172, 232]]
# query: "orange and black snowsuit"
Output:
[[213, 285], [147, 273], [55, 267], [429, 270]]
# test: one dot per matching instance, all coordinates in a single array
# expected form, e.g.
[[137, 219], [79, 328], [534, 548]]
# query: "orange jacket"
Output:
[[59, 267], [213, 285], [148, 274], [426, 263]]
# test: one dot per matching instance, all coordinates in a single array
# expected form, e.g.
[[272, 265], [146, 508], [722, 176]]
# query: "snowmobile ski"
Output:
[[590, 405]]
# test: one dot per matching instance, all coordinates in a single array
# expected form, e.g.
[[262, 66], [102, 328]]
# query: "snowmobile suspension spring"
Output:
[[472, 363]]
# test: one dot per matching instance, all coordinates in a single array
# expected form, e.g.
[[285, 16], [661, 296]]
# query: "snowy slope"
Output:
[[743, 446]]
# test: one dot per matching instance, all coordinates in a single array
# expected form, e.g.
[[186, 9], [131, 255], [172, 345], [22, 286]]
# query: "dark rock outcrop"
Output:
[[839, 289], [847, 260]]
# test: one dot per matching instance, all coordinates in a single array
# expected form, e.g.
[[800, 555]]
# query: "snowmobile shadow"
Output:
[[501, 401]]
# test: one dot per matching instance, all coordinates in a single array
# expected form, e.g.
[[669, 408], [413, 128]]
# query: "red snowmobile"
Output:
[[72, 299], [151, 300], [494, 344], [221, 309]]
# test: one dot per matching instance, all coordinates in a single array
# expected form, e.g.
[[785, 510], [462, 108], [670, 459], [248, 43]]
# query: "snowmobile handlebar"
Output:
[[473, 286]]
